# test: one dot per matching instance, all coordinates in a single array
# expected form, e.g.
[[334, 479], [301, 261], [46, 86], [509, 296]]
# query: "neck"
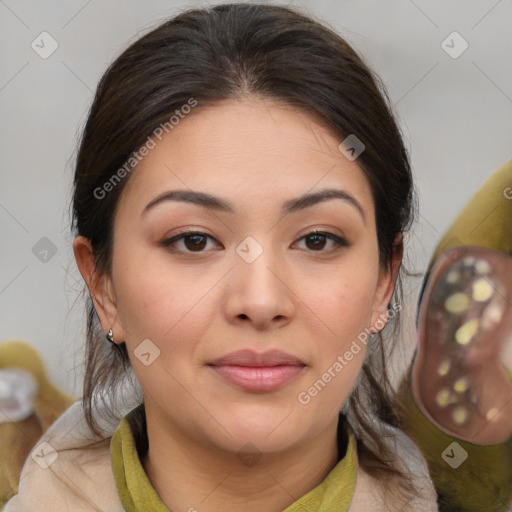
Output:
[[188, 477]]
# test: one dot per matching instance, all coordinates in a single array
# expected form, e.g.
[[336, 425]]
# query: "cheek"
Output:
[[153, 299], [160, 302], [150, 310], [340, 354], [349, 317], [346, 304]]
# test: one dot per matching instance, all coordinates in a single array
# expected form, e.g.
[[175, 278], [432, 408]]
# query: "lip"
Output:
[[253, 371], [262, 359]]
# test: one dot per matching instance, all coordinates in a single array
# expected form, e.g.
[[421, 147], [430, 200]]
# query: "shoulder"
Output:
[[68, 469], [371, 493]]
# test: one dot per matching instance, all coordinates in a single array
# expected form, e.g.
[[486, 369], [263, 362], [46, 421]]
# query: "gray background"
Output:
[[455, 114]]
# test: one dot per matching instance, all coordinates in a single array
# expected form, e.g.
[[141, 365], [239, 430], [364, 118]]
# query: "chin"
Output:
[[268, 432]]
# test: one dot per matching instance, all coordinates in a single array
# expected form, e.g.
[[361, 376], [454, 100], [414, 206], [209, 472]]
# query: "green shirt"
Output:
[[137, 494]]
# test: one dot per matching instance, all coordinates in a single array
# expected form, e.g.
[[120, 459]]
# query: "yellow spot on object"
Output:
[[443, 397], [461, 385], [469, 260], [465, 333], [482, 267], [456, 303], [459, 415], [492, 414], [444, 367], [452, 277], [482, 290]]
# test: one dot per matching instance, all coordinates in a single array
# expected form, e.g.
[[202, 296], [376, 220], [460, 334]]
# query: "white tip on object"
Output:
[[17, 389], [506, 354]]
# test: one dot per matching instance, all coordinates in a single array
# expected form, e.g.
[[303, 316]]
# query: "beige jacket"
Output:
[[57, 477]]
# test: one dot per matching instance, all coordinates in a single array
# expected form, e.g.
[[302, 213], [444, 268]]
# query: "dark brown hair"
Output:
[[231, 51]]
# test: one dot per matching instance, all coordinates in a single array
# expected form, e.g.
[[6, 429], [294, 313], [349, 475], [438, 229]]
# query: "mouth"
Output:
[[258, 372]]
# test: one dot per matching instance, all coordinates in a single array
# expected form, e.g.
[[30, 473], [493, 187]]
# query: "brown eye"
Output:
[[316, 241], [194, 241]]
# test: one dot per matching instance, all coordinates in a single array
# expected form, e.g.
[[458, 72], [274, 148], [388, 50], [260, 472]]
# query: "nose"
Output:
[[260, 292]]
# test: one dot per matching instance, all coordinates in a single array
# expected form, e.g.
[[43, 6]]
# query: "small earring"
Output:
[[110, 336]]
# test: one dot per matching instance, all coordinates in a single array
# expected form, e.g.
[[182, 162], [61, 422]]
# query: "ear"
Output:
[[100, 287], [386, 286]]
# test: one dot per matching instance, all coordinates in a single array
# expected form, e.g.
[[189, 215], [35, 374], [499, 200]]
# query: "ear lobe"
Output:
[[100, 286], [386, 285]]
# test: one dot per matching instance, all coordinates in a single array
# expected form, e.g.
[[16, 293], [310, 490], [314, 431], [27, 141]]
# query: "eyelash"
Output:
[[340, 242]]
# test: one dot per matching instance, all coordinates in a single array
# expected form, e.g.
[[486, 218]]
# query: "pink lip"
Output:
[[255, 371], [251, 358], [258, 378]]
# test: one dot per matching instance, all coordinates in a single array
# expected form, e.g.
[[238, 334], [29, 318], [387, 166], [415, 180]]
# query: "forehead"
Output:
[[252, 151]]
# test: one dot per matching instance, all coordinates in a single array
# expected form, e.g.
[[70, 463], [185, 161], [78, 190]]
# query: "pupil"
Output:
[[316, 237], [197, 243]]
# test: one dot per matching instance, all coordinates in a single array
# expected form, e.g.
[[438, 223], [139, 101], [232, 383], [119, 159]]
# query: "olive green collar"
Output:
[[137, 494]]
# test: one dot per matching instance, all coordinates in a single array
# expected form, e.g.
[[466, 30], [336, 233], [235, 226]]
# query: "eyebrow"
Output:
[[291, 206]]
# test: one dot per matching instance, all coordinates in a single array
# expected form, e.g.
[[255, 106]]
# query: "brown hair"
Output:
[[225, 52]]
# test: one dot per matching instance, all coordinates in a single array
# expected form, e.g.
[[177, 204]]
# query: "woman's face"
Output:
[[251, 280]]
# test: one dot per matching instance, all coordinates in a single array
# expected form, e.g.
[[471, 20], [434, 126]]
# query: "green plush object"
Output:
[[17, 438], [483, 482], [486, 220]]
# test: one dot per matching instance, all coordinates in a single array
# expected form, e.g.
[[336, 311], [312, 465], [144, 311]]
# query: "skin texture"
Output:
[[306, 297]]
